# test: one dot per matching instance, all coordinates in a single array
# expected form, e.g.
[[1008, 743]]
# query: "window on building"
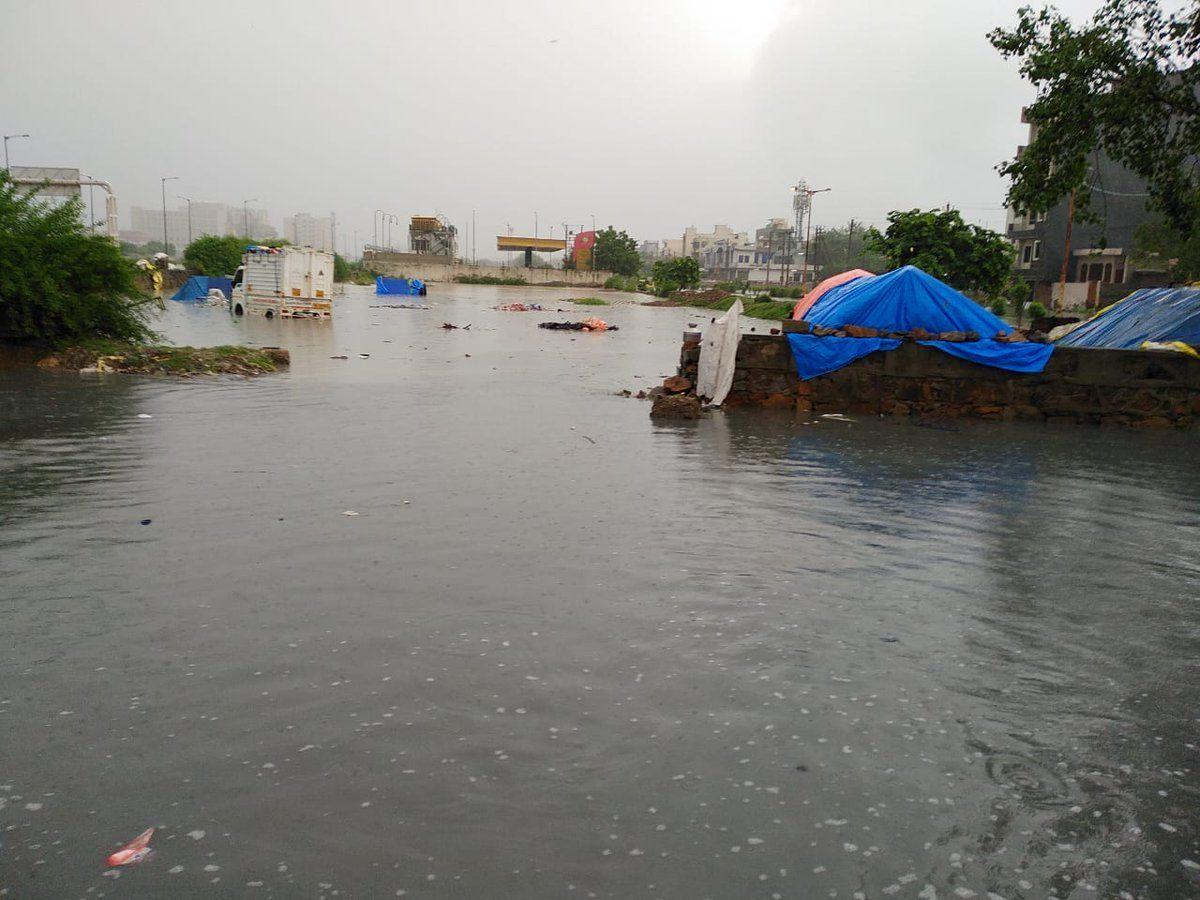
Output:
[[743, 258], [1027, 254], [1037, 250]]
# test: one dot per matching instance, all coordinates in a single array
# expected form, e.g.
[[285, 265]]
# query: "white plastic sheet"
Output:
[[718, 356]]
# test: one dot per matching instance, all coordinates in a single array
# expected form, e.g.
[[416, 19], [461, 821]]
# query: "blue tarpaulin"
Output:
[[198, 286], [904, 300], [1151, 314], [399, 286], [821, 355]]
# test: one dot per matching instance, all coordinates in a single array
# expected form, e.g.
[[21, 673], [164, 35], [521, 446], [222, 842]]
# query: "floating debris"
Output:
[[134, 852], [590, 324]]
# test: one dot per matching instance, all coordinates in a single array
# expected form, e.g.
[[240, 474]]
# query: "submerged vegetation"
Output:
[[589, 301], [761, 307], [118, 356], [57, 282], [628, 283], [488, 279]]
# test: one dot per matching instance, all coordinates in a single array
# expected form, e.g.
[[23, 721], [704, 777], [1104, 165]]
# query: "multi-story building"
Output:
[[304, 230], [1098, 257], [776, 246], [205, 218], [695, 243]]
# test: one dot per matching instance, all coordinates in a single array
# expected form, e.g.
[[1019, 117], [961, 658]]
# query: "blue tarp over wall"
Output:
[[902, 301], [399, 286], [198, 286], [1151, 314]]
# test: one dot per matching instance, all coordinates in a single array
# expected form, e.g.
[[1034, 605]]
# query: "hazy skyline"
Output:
[[651, 117]]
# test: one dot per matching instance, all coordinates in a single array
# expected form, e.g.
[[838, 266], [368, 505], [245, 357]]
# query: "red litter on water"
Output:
[[134, 852]]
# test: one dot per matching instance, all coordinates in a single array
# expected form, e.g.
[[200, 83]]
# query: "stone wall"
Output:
[[1141, 389], [435, 269]]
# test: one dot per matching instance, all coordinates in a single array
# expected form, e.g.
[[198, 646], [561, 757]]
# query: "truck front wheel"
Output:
[[237, 309]]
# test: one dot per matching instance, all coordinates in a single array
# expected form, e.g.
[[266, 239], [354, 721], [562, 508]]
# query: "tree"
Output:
[[142, 251], [841, 249], [616, 251], [1125, 84], [341, 268], [58, 282], [215, 254], [221, 254], [674, 274], [1158, 244], [964, 256]]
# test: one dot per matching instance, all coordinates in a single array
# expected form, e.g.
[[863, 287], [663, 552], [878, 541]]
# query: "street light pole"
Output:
[[189, 203], [163, 182], [246, 215], [7, 138]]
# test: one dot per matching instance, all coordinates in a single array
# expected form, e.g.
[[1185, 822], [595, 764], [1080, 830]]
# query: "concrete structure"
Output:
[[432, 236], [434, 269], [54, 183], [695, 243], [305, 230], [1100, 267], [776, 245], [1134, 388], [527, 246]]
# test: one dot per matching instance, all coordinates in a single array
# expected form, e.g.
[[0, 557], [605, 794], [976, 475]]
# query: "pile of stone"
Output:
[[915, 334], [674, 400]]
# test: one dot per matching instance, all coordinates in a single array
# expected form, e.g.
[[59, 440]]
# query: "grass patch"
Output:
[[589, 301], [762, 307], [115, 356], [488, 279]]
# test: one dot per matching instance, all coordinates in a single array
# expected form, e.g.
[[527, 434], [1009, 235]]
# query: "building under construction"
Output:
[[432, 236]]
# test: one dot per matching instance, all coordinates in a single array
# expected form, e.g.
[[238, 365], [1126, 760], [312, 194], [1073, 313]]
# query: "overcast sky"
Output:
[[651, 116]]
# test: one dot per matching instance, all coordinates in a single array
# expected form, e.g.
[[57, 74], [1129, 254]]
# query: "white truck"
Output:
[[289, 282]]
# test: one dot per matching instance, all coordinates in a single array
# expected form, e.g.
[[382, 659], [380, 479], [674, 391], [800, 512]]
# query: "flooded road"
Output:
[[562, 651]]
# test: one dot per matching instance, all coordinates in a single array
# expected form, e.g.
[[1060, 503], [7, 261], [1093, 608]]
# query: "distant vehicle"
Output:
[[289, 282]]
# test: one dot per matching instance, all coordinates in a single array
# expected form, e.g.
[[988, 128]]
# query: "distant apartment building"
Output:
[[1099, 261], [696, 243], [775, 244], [306, 230], [206, 218], [650, 250]]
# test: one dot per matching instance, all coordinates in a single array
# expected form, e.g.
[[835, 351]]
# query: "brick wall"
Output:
[[1107, 387]]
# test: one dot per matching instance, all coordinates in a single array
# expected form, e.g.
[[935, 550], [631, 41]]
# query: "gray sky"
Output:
[[650, 115]]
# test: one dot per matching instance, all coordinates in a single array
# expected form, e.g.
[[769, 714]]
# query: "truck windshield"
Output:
[[237, 276]]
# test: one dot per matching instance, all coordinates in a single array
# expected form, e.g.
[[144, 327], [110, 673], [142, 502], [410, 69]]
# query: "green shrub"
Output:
[[488, 279], [215, 254], [761, 308], [1036, 310], [627, 283], [998, 306], [59, 283], [675, 274]]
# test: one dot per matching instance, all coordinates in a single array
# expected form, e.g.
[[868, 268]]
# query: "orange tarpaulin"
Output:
[[808, 300]]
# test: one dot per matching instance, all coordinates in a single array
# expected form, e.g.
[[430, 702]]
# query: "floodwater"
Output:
[[563, 651]]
